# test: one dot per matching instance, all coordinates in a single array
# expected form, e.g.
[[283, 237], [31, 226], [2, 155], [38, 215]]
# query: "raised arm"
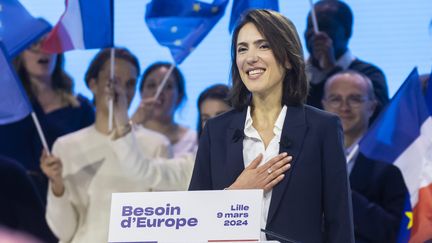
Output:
[[157, 173], [61, 215]]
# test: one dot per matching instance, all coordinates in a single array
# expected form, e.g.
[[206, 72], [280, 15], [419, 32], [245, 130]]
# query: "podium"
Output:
[[187, 216]]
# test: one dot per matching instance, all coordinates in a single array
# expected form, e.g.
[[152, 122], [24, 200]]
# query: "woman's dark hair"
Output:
[[103, 56], [216, 92], [177, 75], [284, 41], [61, 81]]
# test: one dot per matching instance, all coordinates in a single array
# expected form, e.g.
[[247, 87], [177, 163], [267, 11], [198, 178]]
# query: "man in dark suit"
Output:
[[378, 188], [329, 52]]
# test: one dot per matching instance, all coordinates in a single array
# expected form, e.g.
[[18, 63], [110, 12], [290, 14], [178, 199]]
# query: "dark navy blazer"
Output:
[[312, 203], [378, 194]]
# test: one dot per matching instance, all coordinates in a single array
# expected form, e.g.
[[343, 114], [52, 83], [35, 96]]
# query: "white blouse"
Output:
[[92, 171], [253, 145], [187, 144]]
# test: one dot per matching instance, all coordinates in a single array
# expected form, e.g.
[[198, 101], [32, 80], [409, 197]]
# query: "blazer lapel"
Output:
[[234, 143], [292, 137]]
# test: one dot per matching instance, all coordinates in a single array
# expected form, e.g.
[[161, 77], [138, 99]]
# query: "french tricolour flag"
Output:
[[85, 24], [402, 135]]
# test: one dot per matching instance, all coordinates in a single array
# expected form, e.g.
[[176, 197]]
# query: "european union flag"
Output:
[[241, 6], [18, 28], [406, 223], [182, 25], [14, 104]]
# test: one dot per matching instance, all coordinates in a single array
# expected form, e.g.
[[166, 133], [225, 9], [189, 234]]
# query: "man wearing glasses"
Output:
[[378, 188]]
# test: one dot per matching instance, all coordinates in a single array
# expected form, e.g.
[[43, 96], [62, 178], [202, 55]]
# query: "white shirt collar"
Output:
[[251, 132], [348, 151], [345, 60], [351, 147]]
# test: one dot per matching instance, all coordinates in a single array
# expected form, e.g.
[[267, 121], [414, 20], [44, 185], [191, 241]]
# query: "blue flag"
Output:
[[14, 104], [241, 6], [182, 25], [428, 95], [18, 29]]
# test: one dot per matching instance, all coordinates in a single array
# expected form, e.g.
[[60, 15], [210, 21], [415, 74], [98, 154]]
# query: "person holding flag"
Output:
[[162, 112], [50, 91], [378, 189], [179, 27], [83, 25], [84, 171], [48, 87], [327, 34]]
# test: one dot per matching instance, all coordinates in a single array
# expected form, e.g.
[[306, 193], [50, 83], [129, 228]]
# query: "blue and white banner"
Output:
[[194, 216]]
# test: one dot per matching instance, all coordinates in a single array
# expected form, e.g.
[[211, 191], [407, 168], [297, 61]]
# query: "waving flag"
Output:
[[241, 6], [18, 28], [14, 104], [402, 135], [182, 25], [85, 24], [429, 94]]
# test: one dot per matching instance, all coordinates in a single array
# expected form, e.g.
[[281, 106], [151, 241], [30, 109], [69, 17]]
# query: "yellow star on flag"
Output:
[[174, 29], [196, 7], [410, 217]]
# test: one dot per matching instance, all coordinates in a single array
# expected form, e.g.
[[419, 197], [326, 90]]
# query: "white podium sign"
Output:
[[190, 216]]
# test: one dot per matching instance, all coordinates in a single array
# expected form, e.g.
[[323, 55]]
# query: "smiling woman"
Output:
[[269, 90], [256, 61]]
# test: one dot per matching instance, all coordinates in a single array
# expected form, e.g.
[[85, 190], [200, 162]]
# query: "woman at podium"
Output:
[[311, 201]]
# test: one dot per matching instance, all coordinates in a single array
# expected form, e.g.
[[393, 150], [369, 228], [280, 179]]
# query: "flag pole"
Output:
[[40, 132], [313, 16], [111, 99], [164, 81]]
